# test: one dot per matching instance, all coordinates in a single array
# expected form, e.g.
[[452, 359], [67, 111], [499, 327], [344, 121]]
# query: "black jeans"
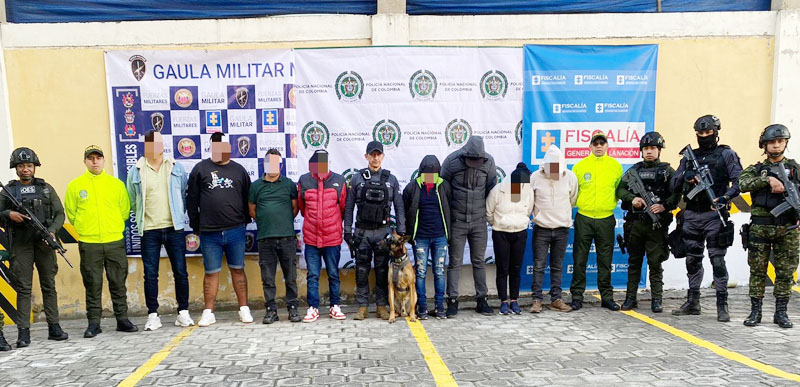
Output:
[[271, 251], [509, 247], [555, 240]]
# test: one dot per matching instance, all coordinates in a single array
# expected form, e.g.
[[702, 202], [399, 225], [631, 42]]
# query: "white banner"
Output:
[[415, 100]]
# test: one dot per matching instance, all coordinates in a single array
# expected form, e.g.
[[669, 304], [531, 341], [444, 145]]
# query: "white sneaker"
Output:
[[312, 314], [336, 313], [184, 320], [153, 322], [207, 318], [244, 314]]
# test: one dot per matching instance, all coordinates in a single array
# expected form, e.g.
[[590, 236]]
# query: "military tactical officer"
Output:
[[27, 247], [702, 223], [641, 234], [769, 233], [374, 190]]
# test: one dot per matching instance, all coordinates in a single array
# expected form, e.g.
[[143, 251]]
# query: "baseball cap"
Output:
[[92, 149], [599, 135], [374, 146]]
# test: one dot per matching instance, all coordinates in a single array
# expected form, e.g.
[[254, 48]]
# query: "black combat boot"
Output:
[[755, 312], [4, 346], [630, 303], [722, 307], [24, 336], [780, 313], [655, 305], [483, 307], [691, 306], [93, 330], [54, 332], [452, 307]]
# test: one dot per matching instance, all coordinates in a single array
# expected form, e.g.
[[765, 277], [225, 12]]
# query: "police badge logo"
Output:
[[349, 86], [315, 135], [157, 120], [587, 177], [183, 98], [518, 133], [241, 96], [494, 85], [387, 132], [348, 174], [243, 144], [138, 66], [501, 174], [422, 85], [457, 132], [192, 243], [83, 194], [186, 147]]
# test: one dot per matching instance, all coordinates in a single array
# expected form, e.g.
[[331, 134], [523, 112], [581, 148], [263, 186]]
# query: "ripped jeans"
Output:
[[433, 250]]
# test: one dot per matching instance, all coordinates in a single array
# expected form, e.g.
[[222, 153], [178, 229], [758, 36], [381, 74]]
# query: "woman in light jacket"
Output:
[[508, 210]]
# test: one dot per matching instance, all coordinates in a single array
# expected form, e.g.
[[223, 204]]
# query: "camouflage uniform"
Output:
[[765, 239]]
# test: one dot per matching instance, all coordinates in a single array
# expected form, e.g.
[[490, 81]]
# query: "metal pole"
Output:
[[658, 5]]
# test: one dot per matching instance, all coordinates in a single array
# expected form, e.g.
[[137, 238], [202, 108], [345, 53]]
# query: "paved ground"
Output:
[[593, 346]]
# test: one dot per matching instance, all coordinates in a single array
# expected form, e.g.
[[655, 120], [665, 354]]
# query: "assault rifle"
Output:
[[705, 181], [637, 186], [791, 196], [40, 229]]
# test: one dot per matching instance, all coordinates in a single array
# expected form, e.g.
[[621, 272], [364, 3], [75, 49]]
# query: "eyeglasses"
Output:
[[598, 143]]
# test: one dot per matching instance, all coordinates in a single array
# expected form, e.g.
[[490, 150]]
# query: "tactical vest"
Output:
[[719, 174], [35, 197], [655, 180], [764, 198], [374, 200]]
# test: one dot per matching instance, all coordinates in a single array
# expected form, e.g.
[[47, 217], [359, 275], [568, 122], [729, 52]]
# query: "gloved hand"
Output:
[[689, 175], [4, 256], [723, 200], [348, 238]]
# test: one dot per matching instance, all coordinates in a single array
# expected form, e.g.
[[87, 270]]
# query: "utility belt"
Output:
[[699, 206], [364, 225], [783, 220]]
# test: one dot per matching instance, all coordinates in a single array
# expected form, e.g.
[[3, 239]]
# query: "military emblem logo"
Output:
[[241, 96], [457, 132], [292, 97], [494, 85], [128, 100], [129, 116], [186, 147], [138, 66], [192, 243], [387, 132], [422, 85], [518, 133], [157, 120], [130, 130], [315, 135], [349, 86], [243, 144], [183, 98]]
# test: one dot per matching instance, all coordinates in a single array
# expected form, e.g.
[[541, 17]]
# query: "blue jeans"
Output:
[[231, 242], [435, 251], [314, 256], [174, 243]]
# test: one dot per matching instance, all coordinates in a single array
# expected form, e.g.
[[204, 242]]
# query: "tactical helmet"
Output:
[[652, 139], [707, 122], [23, 155], [773, 132]]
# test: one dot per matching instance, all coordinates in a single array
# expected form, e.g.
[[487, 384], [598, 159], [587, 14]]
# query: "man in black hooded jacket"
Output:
[[471, 173]]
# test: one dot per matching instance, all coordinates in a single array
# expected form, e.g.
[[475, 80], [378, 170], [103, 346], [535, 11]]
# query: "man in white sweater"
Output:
[[555, 192]]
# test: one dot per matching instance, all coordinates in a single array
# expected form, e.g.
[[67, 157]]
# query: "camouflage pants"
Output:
[[766, 239]]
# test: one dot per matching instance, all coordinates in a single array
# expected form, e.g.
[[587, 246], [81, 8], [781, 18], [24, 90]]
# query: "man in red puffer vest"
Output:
[[322, 196]]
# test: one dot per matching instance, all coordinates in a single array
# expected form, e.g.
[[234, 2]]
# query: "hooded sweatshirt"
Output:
[[505, 214], [554, 199], [470, 186], [427, 205]]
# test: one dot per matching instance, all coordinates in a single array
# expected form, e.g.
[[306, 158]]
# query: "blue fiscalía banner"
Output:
[[571, 92]]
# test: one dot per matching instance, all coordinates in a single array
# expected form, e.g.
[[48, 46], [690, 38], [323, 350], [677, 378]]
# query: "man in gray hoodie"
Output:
[[471, 173]]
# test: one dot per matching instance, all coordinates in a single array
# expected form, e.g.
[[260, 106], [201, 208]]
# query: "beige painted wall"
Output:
[[58, 105]]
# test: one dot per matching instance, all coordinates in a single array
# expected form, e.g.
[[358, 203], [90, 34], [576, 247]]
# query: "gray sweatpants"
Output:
[[474, 233]]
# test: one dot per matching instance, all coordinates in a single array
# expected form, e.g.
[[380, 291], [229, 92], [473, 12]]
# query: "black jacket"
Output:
[[470, 186], [411, 198]]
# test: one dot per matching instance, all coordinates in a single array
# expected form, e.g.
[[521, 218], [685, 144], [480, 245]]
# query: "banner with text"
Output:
[[414, 100], [571, 92], [188, 95]]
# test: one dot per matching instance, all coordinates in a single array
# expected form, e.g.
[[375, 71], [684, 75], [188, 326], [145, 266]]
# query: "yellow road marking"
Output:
[[156, 359], [441, 374], [728, 354]]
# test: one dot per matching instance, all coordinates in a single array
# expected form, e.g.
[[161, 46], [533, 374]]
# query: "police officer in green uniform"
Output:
[[27, 247], [641, 234], [768, 233]]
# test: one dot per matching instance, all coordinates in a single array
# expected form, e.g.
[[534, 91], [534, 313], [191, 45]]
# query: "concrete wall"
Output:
[[720, 63]]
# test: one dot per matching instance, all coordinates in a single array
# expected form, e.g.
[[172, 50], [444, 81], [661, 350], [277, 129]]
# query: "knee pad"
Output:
[[718, 263], [694, 267]]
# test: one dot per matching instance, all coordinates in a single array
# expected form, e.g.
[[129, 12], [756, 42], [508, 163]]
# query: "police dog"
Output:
[[402, 280]]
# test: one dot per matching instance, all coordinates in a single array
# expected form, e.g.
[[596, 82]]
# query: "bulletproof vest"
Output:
[[764, 198], [374, 199], [719, 173], [655, 179], [35, 197]]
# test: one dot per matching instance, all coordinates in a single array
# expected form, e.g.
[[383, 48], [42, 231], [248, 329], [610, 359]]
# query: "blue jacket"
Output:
[[177, 193]]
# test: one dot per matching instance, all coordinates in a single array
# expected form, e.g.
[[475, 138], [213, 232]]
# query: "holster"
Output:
[[744, 232]]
